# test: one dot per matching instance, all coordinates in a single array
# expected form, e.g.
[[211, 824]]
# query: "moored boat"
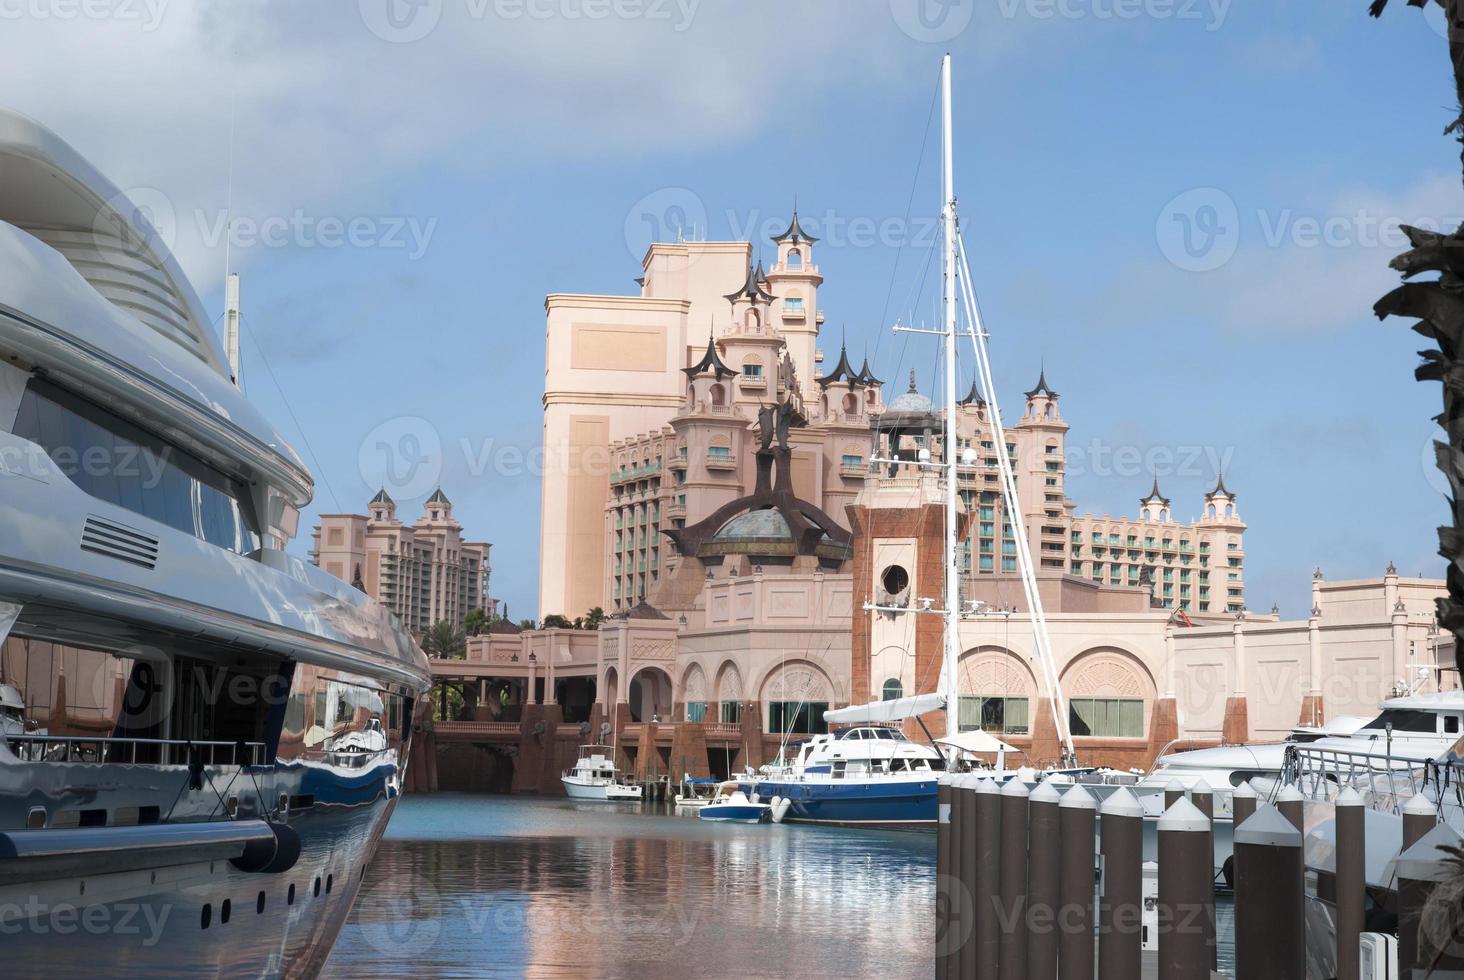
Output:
[[594, 777], [733, 805]]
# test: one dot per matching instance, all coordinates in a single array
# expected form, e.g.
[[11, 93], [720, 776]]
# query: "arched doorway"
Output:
[[1109, 692], [694, 694], [612, 689], [795, 696], [650, 695], [729, 694], [998, 693]]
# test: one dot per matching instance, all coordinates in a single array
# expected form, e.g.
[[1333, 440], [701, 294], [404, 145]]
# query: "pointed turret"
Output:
[[1220, 490], [1155, 497], [711, 361], [866, 376], [438, 497], [795, 234], [752, 290], [973, 397], [382, 497], [1042, 387], [841, 372]]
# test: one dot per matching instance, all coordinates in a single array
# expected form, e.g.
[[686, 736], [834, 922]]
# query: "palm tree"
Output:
[[594, 618], [444, 641], [477, 621], [556, 621]]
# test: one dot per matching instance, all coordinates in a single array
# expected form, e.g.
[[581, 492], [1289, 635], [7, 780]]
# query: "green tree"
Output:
[[594, 618], [477, 621], [556, 621], [528, 624], [444, 641]]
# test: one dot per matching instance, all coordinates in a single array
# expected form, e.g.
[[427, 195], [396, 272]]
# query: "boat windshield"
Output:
[[1405, 720]]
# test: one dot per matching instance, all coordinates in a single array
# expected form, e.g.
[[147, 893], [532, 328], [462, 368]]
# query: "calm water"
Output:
[[515, 886]]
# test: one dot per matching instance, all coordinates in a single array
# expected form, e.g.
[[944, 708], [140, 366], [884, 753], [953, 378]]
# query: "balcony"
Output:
[[720, 461], [853, 471]]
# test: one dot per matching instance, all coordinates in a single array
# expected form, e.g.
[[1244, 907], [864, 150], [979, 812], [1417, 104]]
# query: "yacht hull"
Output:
[[902, 803]]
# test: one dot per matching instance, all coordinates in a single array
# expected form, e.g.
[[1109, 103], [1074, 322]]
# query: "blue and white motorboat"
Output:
[[733, 805]]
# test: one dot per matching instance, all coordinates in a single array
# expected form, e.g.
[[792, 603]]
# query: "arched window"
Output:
[[893, 689], [795, 259], [719, 397]]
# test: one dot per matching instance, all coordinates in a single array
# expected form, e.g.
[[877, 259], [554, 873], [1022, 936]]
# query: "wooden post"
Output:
[[1242, 803], [1420, 820], [1173, 793], [986, 890], [1077, 822], [1351, 873], [1044, 867], [1203, 797], [1270, 898], [1290, 803], [1120, 913], [942, 879], [1013, 880], [966, 788], [1185, 893]]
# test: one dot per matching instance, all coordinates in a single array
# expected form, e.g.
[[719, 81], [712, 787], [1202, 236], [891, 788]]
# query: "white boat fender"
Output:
[[780, 808]]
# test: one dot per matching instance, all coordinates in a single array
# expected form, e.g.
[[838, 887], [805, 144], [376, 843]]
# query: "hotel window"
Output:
[[719, 452], [1051, 467], [752, 371], [853, 459], [998, 715], [731, 712], [696, 711], [893, 690], [793, 304], [1009, 564], [797, 717], [1106, 717], [986, 563]]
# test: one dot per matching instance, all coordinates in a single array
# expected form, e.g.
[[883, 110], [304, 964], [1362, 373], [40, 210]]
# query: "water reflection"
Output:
[[497, 886]]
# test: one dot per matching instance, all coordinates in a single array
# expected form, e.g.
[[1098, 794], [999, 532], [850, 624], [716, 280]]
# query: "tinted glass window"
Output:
[[113, 460], [1405, 721]]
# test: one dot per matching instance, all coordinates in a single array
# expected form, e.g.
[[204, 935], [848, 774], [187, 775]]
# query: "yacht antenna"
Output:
[[231, 327], [952, 575]]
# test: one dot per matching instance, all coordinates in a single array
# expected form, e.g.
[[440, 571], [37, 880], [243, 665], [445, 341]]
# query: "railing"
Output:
[[1386, 782], [98, 750]]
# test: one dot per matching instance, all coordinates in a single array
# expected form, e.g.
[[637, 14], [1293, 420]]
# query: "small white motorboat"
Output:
[[594, 777], [695, 793], [732, 805]]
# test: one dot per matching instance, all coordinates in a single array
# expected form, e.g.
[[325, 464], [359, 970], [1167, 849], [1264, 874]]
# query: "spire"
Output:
[[912, 390], [866, 376], [841, 372], [973, 397], [382, 497], [1220, 490], [760, 276], [711, 361], [750, 290], [438, 497], [1042, 386], [1155, 496], [795, 233]]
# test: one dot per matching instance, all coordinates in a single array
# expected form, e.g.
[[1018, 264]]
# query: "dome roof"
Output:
[[911, 402], [762, 525]]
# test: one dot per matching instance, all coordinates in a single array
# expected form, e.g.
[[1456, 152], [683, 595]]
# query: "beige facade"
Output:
[[424, 572]]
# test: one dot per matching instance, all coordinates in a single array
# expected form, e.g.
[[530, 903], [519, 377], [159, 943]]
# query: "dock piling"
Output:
[[1120, 913], [943, 835], [1173, 793], [1203, 797], [1351, 875], [1291, 805], [1043, 881], [1077, 826], [1418, 864], [1270, 898], [1242, 803], [986, 886], [1186, 899], [1013, 945], [965, 910]]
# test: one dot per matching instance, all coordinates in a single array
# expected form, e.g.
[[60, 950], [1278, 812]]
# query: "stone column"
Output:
[[1164, 720], [1400, 642], [1236, 727], [1313, 711]]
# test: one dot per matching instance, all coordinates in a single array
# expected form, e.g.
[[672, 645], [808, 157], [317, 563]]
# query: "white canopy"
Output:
[[893, 710], [976, 741]]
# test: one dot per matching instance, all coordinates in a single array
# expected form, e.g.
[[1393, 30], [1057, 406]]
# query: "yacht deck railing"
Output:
[[132, 751]]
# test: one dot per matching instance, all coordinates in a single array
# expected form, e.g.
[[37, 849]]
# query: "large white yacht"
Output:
[[203, 737]]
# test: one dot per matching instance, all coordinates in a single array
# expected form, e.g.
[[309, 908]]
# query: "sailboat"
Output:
[[870, 772]]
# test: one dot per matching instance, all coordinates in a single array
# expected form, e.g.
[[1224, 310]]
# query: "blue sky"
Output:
[[529, 145]]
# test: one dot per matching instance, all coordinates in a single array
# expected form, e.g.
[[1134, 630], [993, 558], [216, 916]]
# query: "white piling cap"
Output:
[[1122, 803], [1175, 786], [1045, 793], [1421, 805], [1245, 791], [987, 787], [1289, 794], [1078, 798], [1015, 788], [1184, 817], [1269, 828], [1348, 797], [1202, 787]]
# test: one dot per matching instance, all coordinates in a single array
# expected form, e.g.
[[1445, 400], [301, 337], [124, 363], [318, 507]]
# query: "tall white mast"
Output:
[[231, 327], [949, 682]]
